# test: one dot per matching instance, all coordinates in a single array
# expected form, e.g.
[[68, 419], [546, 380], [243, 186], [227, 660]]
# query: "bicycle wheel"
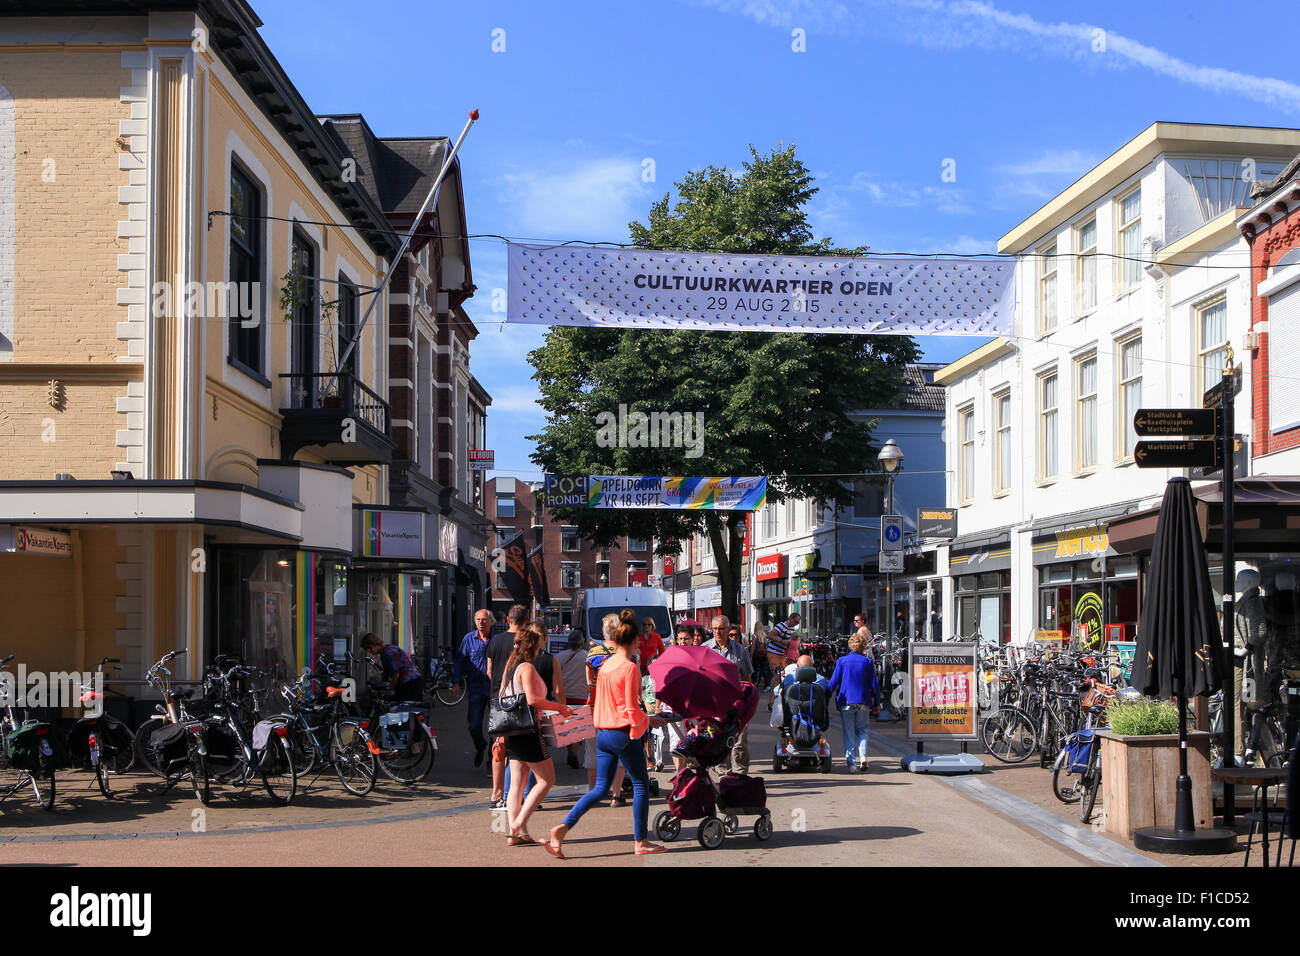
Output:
[[119, 756], [141, 740], [1009, 735], [1089, 784], [1065, 779], [411, 763], [303, 748], [200, 778], [443, 691], [43, 783], [276, 767], [352, 759]]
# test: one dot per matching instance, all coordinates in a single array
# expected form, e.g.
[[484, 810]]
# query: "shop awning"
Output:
[[1266, 517]]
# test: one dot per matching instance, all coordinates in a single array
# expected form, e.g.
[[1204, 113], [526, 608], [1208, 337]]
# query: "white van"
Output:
[[590, 605]]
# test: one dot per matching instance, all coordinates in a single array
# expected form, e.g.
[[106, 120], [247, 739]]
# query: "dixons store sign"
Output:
[[623, 288]]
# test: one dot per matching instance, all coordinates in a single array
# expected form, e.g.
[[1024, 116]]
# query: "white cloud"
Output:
[[965, 24], [1053, 162], [517, 400], [589, 199]]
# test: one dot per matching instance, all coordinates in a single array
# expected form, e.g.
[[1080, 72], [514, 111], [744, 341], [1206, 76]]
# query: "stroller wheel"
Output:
[[730, 824], [763, 827], [667, 826], [710, 833]]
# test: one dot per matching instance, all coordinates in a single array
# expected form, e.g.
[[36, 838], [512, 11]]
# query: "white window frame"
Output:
[[1001, 441], [568, 568], [966, 443], [1129, 251], [1083, 403], [1123, 413], [1044, 411], [1048, 287], [566, 531], [643, 543], [1203, 348], [1085, 262]]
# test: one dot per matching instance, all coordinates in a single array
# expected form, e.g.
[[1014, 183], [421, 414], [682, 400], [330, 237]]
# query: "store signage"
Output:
[[392, 534], [565, 491], [1213, 397], [41, 541], [650, 288], [481, 459], [816, 574], [891, 532], [769, 567], [637, 578], [1087, 620], [891, 562], [448, 541], [1090, 539], [1177, 454], [477, 555], [936, 523], [851, 569], [944, 698], [1126, 651], [1176, 421]]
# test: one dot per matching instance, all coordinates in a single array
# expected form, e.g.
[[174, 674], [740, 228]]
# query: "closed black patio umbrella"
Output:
[[1180, 654]]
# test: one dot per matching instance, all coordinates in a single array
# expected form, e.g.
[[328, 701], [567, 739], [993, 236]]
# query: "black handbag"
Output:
[[509, 715]]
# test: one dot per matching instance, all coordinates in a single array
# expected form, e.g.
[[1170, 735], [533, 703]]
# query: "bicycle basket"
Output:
[[1078, 750]]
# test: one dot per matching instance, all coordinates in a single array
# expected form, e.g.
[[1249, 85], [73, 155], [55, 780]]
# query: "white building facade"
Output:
[[1131, 286]]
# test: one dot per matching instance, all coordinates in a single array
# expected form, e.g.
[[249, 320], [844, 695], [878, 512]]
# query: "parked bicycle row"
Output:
[[239, 729]]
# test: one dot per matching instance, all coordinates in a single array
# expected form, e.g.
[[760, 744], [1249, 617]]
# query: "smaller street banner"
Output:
[[655, 289], [537, 576], [944, 693], [690, 494], [515, 571]]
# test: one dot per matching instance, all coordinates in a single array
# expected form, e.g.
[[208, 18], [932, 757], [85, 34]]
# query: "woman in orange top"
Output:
[[620, 723]]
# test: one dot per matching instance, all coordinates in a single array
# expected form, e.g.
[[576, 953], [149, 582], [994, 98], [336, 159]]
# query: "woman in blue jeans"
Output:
[[620, 724], [854, 685]]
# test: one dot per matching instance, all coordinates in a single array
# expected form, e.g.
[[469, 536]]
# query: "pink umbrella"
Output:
[[696, 681]]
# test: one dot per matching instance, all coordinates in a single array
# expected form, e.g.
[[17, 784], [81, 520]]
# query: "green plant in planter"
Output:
[[293, 296], [1143, 717]]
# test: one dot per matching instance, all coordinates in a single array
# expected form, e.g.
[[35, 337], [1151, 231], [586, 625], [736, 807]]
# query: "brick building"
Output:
[[571, 562], [1272, 228]]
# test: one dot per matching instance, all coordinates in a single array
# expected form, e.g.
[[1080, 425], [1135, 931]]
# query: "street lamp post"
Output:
[[891, 459], [741, 528]]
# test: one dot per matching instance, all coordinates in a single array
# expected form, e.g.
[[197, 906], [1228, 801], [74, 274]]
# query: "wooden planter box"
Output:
[[1138, 777]]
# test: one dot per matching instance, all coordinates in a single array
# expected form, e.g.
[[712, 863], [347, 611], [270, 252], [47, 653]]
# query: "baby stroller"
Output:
[[694, 796], [807, 716]]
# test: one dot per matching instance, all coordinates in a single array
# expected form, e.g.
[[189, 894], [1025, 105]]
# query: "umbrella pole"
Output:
[[1184, 817]]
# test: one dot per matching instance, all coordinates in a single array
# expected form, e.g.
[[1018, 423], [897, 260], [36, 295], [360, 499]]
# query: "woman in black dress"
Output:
[[527, 752]]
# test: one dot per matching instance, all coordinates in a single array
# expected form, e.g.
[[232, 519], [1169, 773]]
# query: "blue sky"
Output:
[[1023, 97]]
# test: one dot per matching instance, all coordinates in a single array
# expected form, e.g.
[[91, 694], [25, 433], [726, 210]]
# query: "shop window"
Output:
[[252, 611]]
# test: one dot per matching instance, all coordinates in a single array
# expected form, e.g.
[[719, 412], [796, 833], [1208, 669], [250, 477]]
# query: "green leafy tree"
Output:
[[774, 404]]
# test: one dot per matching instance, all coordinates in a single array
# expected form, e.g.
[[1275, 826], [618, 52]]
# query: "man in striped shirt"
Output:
[[779, 640]]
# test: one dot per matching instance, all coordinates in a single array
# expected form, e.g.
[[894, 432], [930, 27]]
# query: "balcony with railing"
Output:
[[339, 417]]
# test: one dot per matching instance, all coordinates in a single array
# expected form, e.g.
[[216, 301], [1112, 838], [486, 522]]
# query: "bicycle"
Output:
[[322, 731], [232, 754], [169, 713], [402, 740], [26, 758], [443, 688], [102, 744]]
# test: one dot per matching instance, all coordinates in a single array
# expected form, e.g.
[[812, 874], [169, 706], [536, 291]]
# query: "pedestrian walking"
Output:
[[499, 649], [573, 666], [738, 760], [595, 658], [620, 723], [527, 753], [471, 668], [854, 685]]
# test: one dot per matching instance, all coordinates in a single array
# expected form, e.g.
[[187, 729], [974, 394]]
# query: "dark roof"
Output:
[[919, 391], [1267, 187], [397, 172]]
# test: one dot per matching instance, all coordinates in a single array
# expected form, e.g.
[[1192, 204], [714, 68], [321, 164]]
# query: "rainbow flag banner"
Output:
[[690, 494]]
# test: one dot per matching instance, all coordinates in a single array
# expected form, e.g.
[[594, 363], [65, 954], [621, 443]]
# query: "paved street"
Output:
[[887, 817]]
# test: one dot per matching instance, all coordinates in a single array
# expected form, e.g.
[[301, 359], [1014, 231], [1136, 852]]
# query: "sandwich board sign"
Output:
[[944, 694]]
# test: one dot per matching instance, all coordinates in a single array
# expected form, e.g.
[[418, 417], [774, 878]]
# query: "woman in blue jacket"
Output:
[[854, 687]]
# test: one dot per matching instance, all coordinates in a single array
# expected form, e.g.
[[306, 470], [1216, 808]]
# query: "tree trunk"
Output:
[[727, 554]]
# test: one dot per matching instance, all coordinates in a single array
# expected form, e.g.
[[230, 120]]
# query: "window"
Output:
[[505, 506], [1002, 443], [1047, 426], [504, 534], [246, 267], [1047, 287], [303, 321], [636, 544], [1223, 184], [570, 575], [569, 539], [812, 514], [1085, 268], [966, 464], [602, 574], [1211, 343], [347, 306], [1085, 412], [789, 515], [632, 568], [1283, 353], [537, 513], [769, 523], [1129, 399], [704, 548], [1128, 219]]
